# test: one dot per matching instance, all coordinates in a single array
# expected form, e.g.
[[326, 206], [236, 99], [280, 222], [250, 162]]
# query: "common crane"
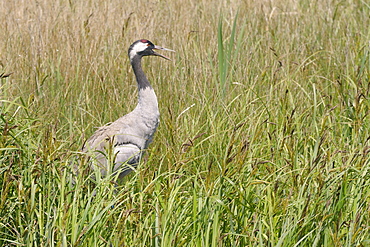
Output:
[[118, 147]]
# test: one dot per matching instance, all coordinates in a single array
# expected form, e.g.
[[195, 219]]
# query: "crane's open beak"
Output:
[[163, 49]]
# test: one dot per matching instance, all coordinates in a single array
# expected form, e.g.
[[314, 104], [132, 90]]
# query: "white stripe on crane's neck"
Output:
[[136, 49]]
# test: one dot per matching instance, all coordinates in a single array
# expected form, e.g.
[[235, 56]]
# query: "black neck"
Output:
[[141, 79]]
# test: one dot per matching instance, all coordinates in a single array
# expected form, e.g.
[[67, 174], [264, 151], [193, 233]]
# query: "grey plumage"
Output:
[[120, 145]]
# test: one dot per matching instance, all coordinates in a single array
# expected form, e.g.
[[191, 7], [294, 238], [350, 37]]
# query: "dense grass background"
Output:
[[264, 134]]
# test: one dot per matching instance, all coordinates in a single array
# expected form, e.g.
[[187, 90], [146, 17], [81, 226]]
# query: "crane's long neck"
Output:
[[142, 81], [147, 102]]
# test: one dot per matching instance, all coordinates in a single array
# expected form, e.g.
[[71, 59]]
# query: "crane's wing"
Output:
[[127, 158], [112, 151], [119, 146]]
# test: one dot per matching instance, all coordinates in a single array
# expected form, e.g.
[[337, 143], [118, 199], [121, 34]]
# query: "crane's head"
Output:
[[144, 47]]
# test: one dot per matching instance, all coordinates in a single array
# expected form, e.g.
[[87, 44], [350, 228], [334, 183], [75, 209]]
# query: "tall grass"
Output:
[[264, 134]]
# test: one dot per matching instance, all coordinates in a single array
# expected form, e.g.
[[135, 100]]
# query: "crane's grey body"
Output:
[[120, 145]]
